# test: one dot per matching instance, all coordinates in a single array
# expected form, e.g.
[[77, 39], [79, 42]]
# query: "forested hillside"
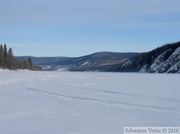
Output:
[[100, 61], [8, 61], [164, 59]]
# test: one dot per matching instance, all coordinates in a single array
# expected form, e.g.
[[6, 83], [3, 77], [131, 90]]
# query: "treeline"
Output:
[[8, 61]]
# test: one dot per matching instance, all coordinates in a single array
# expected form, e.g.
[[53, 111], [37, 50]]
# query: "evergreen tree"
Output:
[[2, 59], [10, 59], [30, 62], [5, 51], [1, 55], [7, 60]]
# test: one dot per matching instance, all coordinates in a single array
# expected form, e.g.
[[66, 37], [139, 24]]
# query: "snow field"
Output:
[[86, 102]]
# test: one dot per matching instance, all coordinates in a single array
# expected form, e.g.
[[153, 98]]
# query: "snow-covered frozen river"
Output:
[[86, 102]]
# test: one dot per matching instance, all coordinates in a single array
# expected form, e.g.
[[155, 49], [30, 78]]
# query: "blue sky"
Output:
[[80, 27]]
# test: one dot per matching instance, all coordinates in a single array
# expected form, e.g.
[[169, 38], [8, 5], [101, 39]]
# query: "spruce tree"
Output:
[[5, 51], [10, 59], [30, 62], [1, 55]]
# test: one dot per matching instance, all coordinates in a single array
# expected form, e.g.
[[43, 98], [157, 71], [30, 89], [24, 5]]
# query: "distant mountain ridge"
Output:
[[100, 61], [164, 59]]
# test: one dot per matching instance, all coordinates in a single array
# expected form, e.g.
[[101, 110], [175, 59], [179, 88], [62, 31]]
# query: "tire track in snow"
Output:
[[20, 85], [123, 105], [134, 95]]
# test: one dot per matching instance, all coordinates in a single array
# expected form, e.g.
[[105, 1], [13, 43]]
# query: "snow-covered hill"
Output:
[[86, 103], [160, 65], [100, 61], [165, 59]]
